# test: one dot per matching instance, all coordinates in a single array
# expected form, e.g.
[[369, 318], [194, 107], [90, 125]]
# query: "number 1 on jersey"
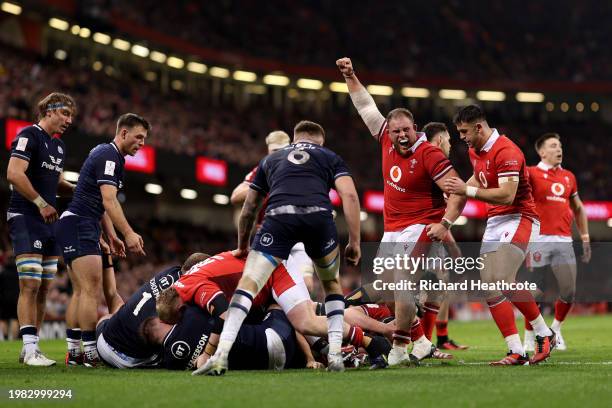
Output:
[[145, 296]]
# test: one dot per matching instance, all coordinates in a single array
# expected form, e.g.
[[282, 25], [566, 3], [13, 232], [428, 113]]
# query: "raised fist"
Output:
[[345, 66]]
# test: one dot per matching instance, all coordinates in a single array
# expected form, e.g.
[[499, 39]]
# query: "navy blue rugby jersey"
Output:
[[46, 157], [104, 165], [300, 174]]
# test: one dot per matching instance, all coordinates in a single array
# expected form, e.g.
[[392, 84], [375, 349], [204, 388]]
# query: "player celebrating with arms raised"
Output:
[[500, 179], [415, 211], [555, 192], [35, 172]]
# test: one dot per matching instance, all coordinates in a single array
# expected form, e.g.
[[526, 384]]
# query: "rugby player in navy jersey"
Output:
[[35, 173], [78, 229], [117, 334], [297, 180]]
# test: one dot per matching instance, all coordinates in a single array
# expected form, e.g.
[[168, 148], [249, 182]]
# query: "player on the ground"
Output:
[[298, 179], [117, 334], [555, 192], [211, 284], [436, 310], [415, 211], [95, 200], [35, 173], [500, 179], [298, 259]]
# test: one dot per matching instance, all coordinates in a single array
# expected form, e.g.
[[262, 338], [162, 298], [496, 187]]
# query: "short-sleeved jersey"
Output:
[[188, 338], [104, 165], [219, 275], [552, 190], [121, 330], [499, 160], [410, 190], [46, 157], [300, 174]]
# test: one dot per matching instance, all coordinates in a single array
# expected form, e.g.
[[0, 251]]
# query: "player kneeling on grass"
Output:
[[211, 283]]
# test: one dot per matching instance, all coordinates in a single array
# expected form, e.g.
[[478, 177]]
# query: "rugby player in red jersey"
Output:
[[555, 192], [415, 211], [500, 179]]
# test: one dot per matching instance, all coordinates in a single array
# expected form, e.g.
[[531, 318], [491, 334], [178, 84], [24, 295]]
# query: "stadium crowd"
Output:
[[184, 123]]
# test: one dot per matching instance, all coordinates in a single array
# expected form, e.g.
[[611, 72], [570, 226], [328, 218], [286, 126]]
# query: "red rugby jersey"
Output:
[[552, 190], [410, 192], [500, 158]]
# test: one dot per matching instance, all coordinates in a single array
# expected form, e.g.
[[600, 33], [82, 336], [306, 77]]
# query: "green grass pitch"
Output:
[[581, 376]]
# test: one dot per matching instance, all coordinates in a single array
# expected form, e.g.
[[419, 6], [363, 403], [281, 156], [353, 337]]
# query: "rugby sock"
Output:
[[239, 307], [334, 309], [503, 314], [29, 337], [89, 341], [429, 318], [524, 302], [528, 326], [401, 338], [73, 340], [442, 328], [416, 331], [561, 310]]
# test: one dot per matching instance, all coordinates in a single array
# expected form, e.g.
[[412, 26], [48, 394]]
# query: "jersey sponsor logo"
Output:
[[55, 160], [266, 239], [166, 282], [37, 244], [483, 179], [298, 157], [395, 186], [21, 144], [395, 173], [557, 189], [109, 168], [54, 165], [180, 350]]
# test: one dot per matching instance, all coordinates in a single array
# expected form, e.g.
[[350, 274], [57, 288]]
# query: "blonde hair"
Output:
[[53, 101], [167, 306]]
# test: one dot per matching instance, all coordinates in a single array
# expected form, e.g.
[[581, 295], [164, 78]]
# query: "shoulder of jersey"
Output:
[[101, 148]]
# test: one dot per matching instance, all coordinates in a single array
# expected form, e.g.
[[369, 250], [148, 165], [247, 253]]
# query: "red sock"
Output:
[[442, 328], [562, 309], [416, 330], [523, 300], [401, 336], [503, 314], [429, 319], [527, 324], [355, 336]]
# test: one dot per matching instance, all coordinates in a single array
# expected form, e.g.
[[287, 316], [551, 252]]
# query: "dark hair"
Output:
[[130, 120], [53, 101], [433, 128], [192, 260], [469, 114], [540, 142], [400, 112], [312, 128]]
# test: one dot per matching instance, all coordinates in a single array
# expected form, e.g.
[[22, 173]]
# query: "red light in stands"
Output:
[[143, 161], [11, 128], [374, 201], [211, 171], [334, 198]]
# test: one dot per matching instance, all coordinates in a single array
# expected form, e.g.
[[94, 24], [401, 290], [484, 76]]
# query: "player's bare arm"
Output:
[[16, 175], [582, 225], [115, 212], [454, 208], [350, 205], [502, 195], [362, 100], [65, 188], [239, 194], [251, 206]]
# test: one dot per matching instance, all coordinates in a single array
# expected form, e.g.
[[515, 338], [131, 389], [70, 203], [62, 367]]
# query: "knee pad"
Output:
[[49, 267], [30, 268], [259, 267], [329, 272]]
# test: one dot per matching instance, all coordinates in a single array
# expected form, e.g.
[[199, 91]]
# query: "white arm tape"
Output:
[[368, 111]]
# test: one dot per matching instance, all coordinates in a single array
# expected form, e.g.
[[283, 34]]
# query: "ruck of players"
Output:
[[250, 307]]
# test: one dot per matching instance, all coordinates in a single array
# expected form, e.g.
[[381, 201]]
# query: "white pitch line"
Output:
[[478, 363]]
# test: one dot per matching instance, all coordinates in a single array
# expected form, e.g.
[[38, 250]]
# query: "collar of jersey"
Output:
[[422, 138], [546, 167], [492, 139], [44, 132]]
